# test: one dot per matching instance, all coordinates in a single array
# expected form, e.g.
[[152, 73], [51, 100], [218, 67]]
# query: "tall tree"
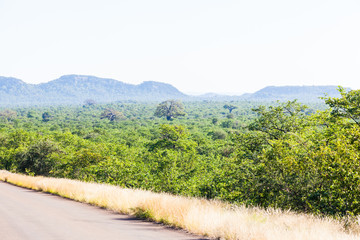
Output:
[[230, 107], [170, 109], [112, 115]]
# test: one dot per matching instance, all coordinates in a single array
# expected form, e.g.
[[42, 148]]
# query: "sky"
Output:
[[198, 46]]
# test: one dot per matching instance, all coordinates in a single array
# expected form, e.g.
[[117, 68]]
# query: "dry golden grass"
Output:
[[210, 218]]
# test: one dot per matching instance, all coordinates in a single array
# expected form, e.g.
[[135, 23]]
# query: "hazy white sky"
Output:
[[196, 45]]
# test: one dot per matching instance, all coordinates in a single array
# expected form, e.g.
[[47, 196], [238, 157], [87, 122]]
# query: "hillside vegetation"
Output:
[[281, 155]]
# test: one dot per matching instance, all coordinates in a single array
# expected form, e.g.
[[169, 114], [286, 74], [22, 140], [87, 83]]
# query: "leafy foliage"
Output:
[[37, 158], [230, 107], [170, 109], [348, 106], [112, 115], [283, 155]]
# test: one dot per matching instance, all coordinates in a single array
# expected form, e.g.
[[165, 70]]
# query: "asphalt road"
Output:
[[29, 215]]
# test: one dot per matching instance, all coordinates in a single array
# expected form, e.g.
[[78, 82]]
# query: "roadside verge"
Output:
[[213, 219]]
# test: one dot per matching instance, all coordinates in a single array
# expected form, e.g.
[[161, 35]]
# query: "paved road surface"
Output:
[[31, 215]]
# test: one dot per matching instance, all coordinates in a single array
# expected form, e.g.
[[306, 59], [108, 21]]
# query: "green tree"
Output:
[[348, 106], [46, 117], [215, 120], [230, 107], [37, 158], [112, 115], [170, 109], [8, 114], [218, 134], [276, 121], [173, 138], [173, 161]]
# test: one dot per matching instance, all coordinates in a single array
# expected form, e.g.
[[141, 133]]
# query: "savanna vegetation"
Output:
[[273, 155]]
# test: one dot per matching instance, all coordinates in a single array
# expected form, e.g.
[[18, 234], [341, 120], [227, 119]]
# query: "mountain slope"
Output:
[[302, 93], [75, 89], [78, 88], [13, 90]]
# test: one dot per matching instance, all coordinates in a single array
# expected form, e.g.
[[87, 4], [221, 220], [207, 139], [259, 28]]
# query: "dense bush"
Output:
[[282, 155]]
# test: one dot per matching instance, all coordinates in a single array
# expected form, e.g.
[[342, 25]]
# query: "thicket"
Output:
[[284, 155]]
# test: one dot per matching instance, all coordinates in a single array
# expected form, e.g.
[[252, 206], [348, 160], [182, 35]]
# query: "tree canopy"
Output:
[[284, 154], [170, 109], [230, 107], [111, 114]]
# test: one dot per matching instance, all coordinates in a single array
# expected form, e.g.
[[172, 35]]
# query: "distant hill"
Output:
[[286, 93], [76, 89], [13, 90], [305, 94]]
